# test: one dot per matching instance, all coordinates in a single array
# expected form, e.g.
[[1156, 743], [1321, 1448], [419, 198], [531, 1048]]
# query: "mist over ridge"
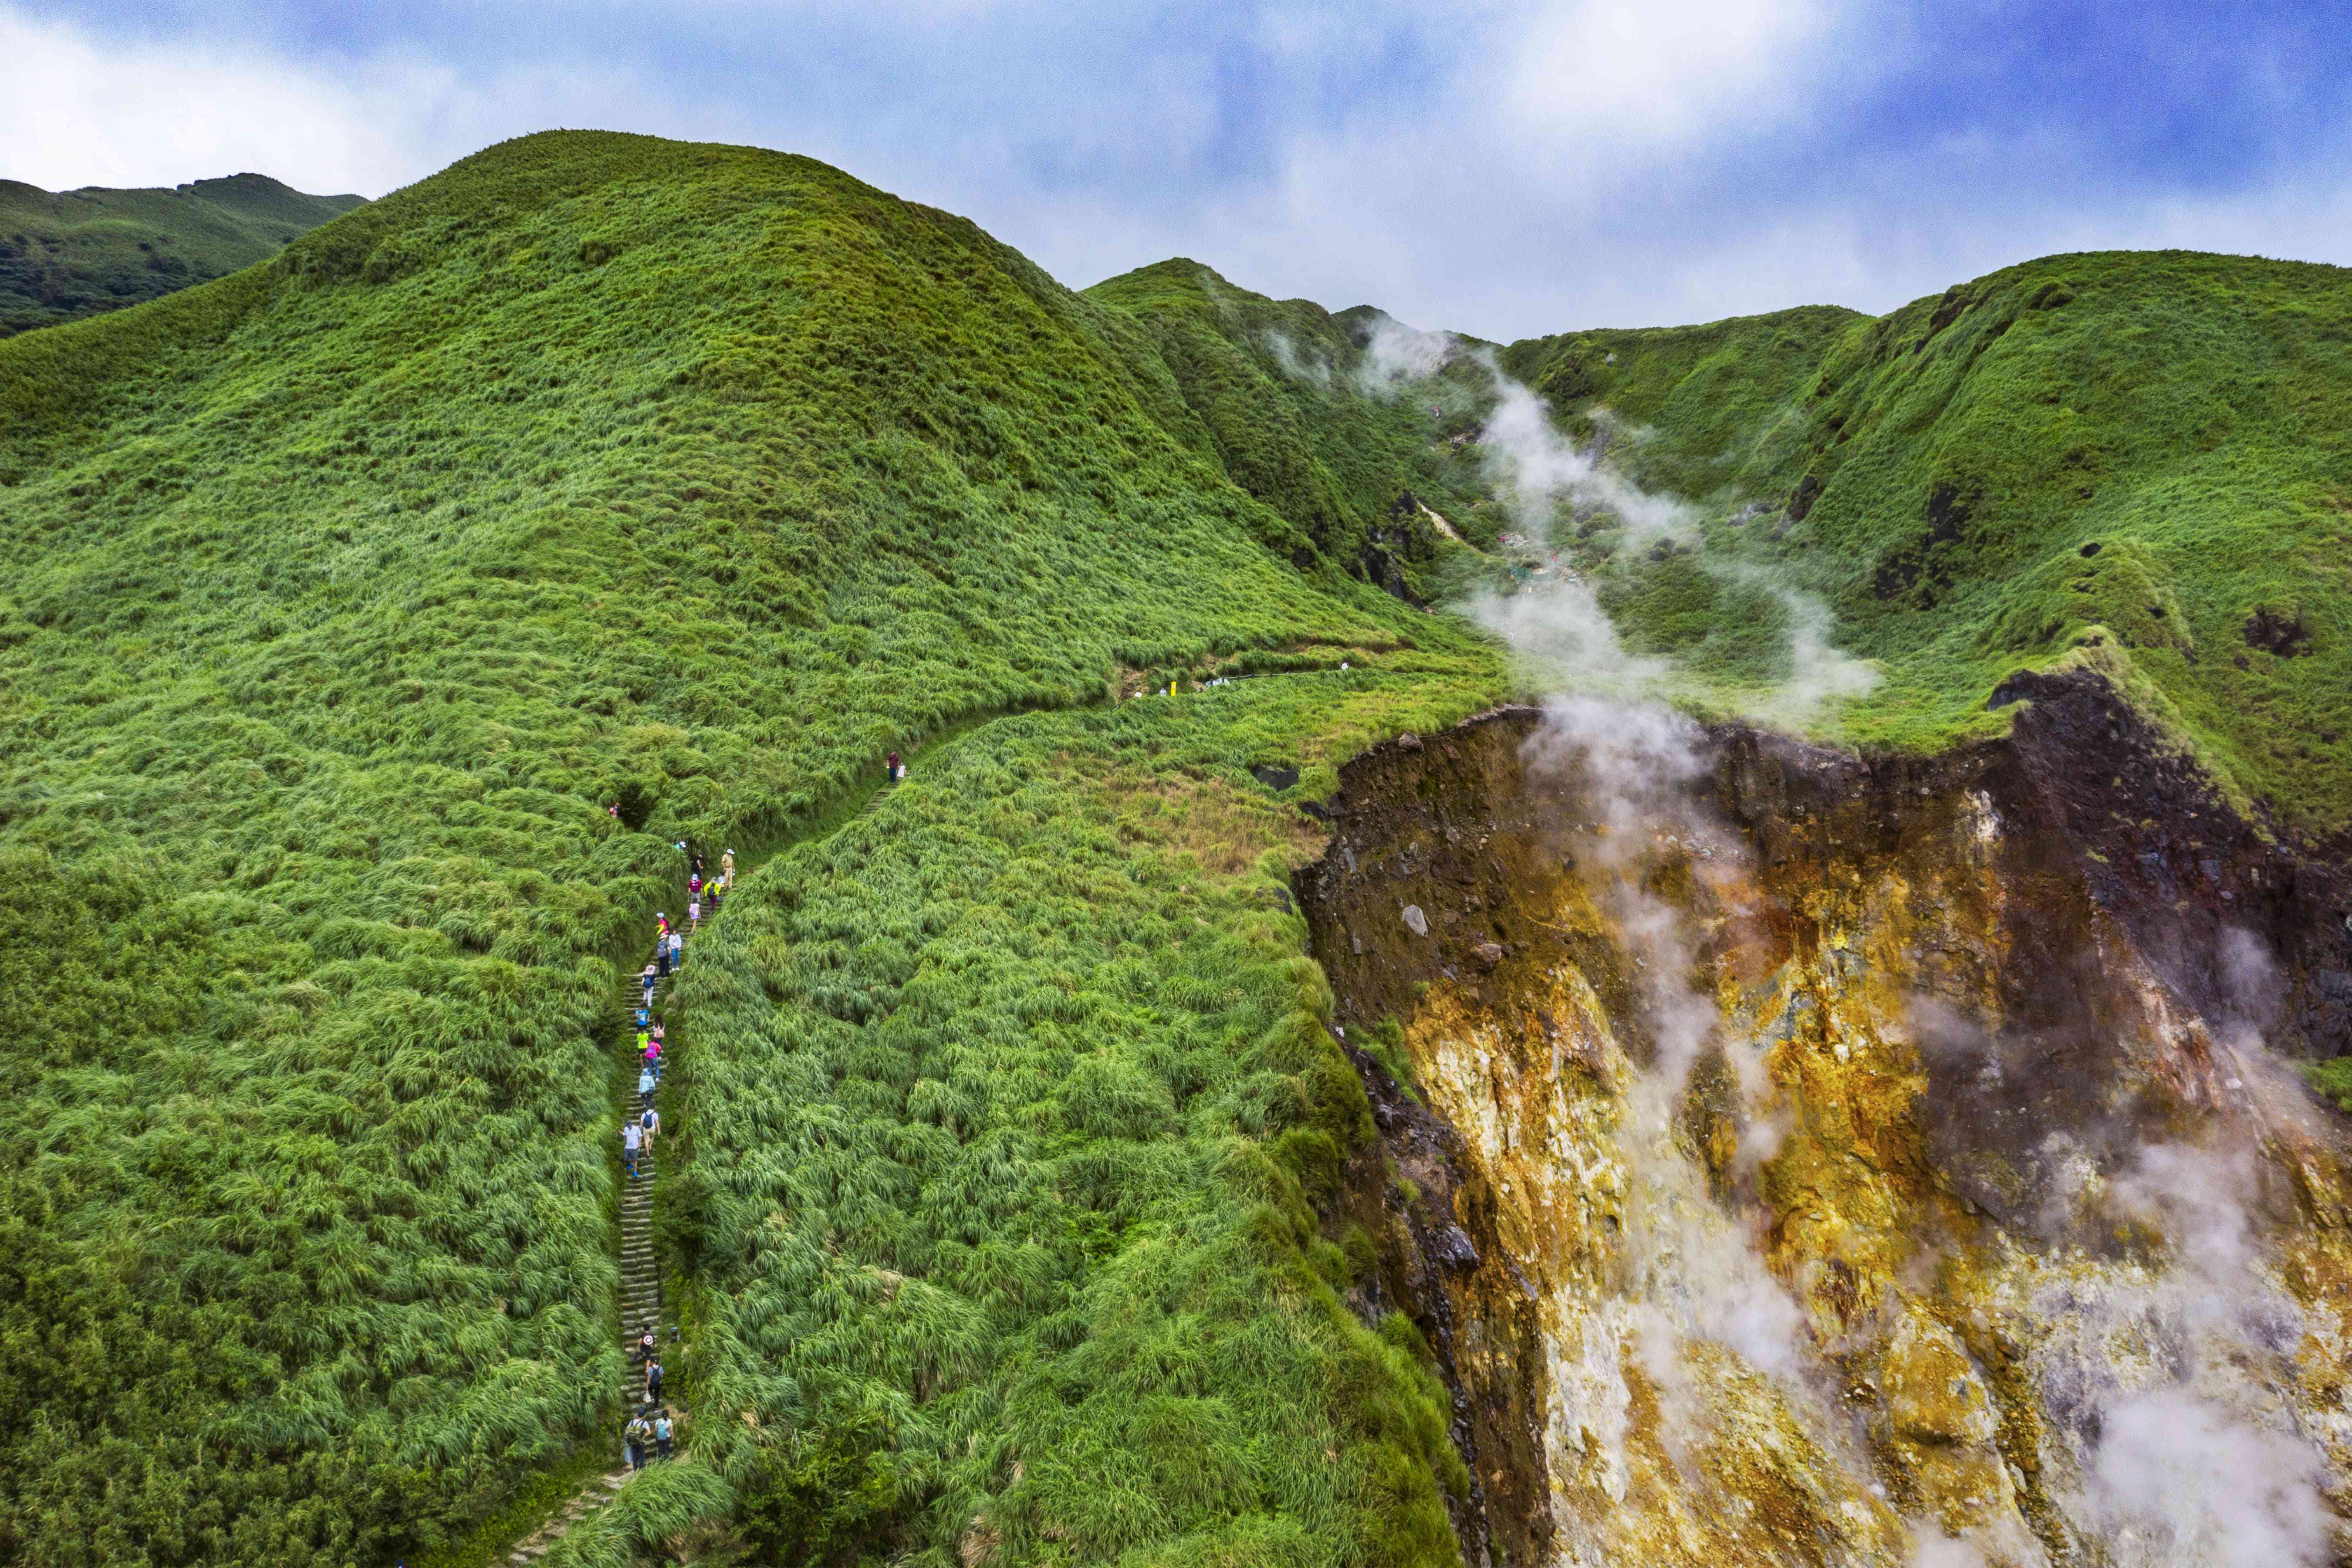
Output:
[[1637, 940]]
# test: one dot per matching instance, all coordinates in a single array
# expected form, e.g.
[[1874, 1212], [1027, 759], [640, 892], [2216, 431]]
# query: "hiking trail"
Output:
[[642, 1306]]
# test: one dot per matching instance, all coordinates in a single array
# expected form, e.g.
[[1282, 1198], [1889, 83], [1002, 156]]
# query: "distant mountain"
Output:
[[65, 255]]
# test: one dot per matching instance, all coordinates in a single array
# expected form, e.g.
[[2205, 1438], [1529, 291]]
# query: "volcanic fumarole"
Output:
[[1794, 1159]]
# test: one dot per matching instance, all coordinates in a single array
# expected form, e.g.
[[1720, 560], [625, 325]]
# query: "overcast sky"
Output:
[[1502, 168]]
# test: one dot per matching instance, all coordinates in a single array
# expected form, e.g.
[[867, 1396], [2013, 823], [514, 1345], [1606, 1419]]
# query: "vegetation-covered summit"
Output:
[[342, 596], [65, 255], [345, 594]]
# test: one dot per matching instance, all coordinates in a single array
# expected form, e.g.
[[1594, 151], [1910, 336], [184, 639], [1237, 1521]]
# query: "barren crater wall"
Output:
[[1801, 1158]]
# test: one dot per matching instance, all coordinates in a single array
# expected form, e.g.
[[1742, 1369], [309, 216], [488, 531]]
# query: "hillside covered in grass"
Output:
[[2138, 462], [378, 620], [65, 255], [345, 594]]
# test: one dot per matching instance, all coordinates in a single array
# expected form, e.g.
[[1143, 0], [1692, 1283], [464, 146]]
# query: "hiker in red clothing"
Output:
[[896, 769]]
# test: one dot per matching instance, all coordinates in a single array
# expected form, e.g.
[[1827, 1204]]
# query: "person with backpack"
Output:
[[645, 1347], [653, 1382], [646, 1087], [649, 979], [663, 1432], [649, 1121], [694, 913], [727, 867], [633, 1138], [634, 1434]]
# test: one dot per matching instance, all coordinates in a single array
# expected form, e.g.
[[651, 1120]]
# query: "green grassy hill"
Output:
[[2142, 462], [345, 593], [65, 255]]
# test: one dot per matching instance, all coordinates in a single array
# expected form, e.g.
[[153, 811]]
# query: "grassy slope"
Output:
[[69, 254], [1272, 384], [1006, 1109], [2188, 414], [341, 595]]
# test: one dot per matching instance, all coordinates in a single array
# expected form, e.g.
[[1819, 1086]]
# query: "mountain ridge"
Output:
[[65, 256], [345, 594]]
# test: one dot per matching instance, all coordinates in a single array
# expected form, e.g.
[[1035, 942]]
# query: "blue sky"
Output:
[[1500, 168]]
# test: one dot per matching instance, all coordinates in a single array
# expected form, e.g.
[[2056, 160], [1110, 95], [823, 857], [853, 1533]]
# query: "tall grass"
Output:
[[341, 598], [2130, 461], [1007, 1109]]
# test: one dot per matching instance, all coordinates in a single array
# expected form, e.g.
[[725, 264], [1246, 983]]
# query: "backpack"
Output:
[[661, 1428]]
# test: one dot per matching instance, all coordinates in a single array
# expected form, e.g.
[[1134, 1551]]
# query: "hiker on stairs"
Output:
[[633, 1138], [727, 867], [663, 1432], [653, 1382], [634, 1435], [649, 1123], [646, 1086]]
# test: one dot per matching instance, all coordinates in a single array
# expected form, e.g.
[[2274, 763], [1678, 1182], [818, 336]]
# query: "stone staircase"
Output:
[[641, 1298]]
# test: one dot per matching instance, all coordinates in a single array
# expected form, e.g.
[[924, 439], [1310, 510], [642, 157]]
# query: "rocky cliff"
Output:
[[1798, 1159]]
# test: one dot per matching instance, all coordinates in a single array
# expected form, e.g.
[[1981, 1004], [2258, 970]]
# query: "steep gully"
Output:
[[1812, 1160]]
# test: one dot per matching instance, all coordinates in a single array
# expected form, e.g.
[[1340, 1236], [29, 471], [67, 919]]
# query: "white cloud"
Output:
[[1505, 168], [85, 110], [1646, 75]]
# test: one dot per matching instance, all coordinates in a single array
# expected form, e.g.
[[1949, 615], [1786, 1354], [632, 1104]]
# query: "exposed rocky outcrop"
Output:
[[1807, 1157]]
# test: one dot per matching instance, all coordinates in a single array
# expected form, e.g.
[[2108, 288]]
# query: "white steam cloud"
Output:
[[1694, 1275], [1528, 453], [2173, 1443], [2181, 1457], [1538, 469], [1397, 354], [1298, 364]]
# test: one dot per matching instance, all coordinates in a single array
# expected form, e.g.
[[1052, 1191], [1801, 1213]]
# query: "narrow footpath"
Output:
[[641, 1302], [641, 1285]]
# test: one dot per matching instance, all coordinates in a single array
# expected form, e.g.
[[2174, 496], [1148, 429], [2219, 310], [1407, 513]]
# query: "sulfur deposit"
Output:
[[1797, 1160]]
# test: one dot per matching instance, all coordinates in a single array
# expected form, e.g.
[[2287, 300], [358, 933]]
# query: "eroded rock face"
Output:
[[1815, 1161]]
